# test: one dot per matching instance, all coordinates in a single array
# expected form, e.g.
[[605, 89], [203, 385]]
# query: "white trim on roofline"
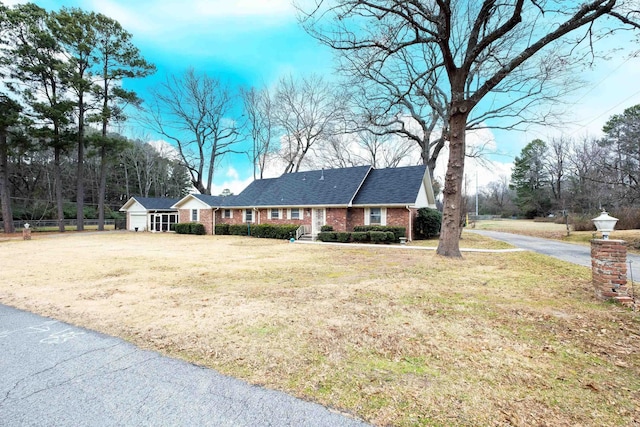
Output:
[[366, 175], [189, 197]]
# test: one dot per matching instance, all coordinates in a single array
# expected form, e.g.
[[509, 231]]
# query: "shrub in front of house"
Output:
[[197, 228], [222, 229], [326, 228], [189, 228], [427, 223], [360, 236], [327, 236], [398, 232], [239, 229], [379, 236], [343, 237], [182, 228], [264, 231], [271, 231]]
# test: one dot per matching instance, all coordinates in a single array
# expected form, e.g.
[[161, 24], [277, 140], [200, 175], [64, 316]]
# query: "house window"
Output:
[[194, 214], [227, 213], [375, 216], [275, 214], [163, 222], [295, 213], [248, 215]]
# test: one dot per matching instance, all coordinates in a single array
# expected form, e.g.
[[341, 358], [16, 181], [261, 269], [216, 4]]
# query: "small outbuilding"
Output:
[[150, 213]]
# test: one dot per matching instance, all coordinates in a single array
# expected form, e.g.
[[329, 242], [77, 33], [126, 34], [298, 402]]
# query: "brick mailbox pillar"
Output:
[[609, 270]]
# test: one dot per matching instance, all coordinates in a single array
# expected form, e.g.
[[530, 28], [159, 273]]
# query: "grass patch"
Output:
[[468, 241], [403, 338]]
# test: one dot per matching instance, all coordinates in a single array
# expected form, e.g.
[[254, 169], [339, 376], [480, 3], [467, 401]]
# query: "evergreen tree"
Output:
[[530, 180], [622, 138]]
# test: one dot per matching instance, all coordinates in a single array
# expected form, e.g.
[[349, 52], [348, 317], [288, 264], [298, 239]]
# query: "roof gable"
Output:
[[151, 203], [392, 186]]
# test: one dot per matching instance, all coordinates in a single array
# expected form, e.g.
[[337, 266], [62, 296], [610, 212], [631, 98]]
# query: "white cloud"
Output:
[[165, 149], [153, 17], [232, 173], [235, 185]]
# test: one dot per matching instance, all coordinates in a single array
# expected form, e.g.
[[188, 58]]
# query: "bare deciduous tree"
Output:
[[382, 150], [556, 164], [491, 57], [259, 116], [498, 198], [308, 112], [192, 111]]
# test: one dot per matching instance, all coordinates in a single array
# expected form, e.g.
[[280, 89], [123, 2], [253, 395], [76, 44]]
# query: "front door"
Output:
[[318, 221]]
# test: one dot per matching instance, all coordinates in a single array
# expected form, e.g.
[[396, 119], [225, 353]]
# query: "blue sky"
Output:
[[254, 42]]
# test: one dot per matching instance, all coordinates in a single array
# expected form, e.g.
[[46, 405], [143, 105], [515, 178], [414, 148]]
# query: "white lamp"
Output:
[[605, 224]]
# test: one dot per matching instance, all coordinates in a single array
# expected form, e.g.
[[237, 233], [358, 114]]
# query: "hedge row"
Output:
[[266, 231], [189, 228], [397, 231], [359, 236]]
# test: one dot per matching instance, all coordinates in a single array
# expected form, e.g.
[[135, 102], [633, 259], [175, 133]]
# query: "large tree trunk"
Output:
[[102, 190], [449, 244], [80, 177], [5, 195], [57, 177]]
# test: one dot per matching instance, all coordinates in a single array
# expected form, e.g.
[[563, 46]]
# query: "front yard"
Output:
[[396, 337]]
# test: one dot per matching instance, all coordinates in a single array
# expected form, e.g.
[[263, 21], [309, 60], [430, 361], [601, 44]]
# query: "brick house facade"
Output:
[[342, 198]]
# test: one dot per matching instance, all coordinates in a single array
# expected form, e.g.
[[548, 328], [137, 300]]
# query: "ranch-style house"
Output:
[[342, 198]]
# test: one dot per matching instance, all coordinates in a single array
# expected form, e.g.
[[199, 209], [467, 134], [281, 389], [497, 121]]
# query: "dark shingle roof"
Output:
[[216, 201], [331, 187], [156, 203], [391, 186]]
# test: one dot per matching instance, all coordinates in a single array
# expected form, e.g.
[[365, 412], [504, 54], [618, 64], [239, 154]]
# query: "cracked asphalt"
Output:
[[56, 374]]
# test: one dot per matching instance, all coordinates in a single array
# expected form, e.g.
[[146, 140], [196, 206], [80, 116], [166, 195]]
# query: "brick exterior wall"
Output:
[[341, 219], [609, 270], [184, 215], [205, 217], [337, 218], [401, 217], [355, 216], [283, 219], [235, 220]]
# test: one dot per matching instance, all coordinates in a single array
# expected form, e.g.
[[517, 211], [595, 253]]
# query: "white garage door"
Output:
[[137, 220]]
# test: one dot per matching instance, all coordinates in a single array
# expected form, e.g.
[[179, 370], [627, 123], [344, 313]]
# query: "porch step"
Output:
[[306, 238]]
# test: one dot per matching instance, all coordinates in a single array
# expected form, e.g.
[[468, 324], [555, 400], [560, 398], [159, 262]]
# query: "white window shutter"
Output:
[[383, 216], [288, 213], [367, 216], [268, 213]]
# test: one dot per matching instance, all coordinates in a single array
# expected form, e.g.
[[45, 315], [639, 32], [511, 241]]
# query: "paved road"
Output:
[[55, 374], [576, 254]]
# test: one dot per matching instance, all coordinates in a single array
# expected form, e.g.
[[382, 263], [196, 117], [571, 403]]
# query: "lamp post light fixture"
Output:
[[605, 224]]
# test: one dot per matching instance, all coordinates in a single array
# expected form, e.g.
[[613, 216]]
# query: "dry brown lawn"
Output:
[[396, 337]]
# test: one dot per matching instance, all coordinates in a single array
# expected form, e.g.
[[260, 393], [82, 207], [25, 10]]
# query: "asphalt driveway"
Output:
[[576, 254], [55, 374]]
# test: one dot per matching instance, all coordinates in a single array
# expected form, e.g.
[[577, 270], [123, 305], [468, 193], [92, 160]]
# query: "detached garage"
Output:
[[150, 214]]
